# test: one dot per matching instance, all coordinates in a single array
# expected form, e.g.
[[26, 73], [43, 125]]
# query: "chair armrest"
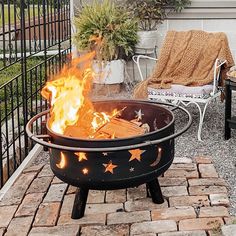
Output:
[[136, 60], [217, 74]]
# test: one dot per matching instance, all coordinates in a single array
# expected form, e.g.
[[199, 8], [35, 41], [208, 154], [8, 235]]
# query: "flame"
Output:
[[102, 118], [113, 135], [62, 163], [72, 113]]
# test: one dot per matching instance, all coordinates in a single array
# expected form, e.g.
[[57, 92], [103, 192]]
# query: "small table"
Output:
[[230, 122]]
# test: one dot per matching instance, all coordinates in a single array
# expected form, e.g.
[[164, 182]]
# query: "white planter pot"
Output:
[[147, 42], [112, 72]]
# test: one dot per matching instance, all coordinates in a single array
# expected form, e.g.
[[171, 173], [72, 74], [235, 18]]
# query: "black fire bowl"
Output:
[[117, 169]]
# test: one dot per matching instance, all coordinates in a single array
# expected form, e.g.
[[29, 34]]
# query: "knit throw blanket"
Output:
[[187, 58]]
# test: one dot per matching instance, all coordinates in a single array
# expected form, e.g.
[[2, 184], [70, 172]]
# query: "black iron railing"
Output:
[[35, 40]]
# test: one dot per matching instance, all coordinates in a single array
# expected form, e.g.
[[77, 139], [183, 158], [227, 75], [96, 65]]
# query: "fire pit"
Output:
[[107, 164]]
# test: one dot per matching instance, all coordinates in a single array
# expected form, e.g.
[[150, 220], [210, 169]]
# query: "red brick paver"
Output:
[[153, 227], [30, 204], [114, 230], [143, 204], [207, 171], [128, 217], [185, 233], [200, 223], [2, 231], [95, 196], [173, 213], [6, 215], [47, 214], [93, 219], [196, 202], [220, 199], [19, 226], [16, 193], [61, 230]]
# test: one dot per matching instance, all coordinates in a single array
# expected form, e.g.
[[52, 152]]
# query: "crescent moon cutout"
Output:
[[155, 163], [62, 163]]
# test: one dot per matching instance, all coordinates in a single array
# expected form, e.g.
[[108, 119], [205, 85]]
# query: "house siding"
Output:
[[209, 9]]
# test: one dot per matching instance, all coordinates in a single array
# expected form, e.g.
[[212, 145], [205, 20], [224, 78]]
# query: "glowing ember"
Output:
[[72, 113]]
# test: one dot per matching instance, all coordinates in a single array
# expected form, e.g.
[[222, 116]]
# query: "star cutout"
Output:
[[131, 169], [109, 167], [139, 115], [85, 171], [104, 154], [136, 154], [81, 156]]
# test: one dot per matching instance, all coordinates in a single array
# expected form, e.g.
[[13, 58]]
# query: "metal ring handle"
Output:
[[108, 149]]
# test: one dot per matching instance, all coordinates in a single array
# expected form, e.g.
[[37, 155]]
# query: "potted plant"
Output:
[[151, 13], [108, 29]]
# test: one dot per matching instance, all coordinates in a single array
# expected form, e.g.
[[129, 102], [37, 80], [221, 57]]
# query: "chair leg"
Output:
[[201, 119], [201, 112]]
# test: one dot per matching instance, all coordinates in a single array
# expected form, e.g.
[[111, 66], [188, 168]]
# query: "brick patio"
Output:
[[195, 204]]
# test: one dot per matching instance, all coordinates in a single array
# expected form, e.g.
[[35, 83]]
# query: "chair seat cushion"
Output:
[[183, 91]]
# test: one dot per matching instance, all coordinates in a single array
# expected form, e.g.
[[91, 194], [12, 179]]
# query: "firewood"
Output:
[[76, 131], [121, 128], [135, 121], [116, 128], [101, 135]]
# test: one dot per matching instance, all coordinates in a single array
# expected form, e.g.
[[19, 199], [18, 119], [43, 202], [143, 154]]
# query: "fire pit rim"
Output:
[[118, 139], [40, 139]]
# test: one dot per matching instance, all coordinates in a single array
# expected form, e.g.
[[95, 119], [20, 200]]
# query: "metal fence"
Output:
[[35, 41]]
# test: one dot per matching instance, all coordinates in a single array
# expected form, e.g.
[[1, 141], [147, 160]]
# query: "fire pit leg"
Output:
[[155, 191], [147, 190], [79, 203]]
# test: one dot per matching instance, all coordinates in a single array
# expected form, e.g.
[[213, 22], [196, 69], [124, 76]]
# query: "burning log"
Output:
[[115, 128], [120, 128], [76, 132]]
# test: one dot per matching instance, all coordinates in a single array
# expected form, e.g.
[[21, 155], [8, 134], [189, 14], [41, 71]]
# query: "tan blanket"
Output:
[[187, 58]]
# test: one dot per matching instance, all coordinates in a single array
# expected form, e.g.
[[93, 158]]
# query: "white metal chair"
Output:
[[186, 95]]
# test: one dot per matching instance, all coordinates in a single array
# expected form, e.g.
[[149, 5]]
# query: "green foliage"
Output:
[[14, 70], [106, 28], [153, 12], [9, 12], [11, 83]]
